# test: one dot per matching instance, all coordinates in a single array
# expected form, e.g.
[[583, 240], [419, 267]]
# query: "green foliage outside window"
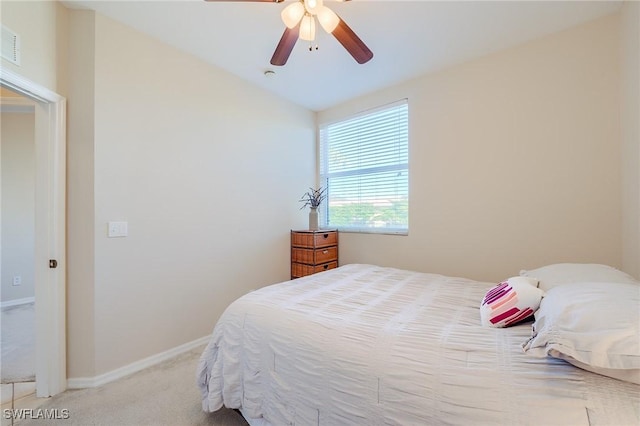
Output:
[[370, 215]]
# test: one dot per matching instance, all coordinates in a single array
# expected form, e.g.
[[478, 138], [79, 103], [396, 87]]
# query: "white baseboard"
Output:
[[16, 302], [92, 382]]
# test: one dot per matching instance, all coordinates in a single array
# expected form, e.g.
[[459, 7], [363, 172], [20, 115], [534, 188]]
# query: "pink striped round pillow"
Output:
[[510, 302]]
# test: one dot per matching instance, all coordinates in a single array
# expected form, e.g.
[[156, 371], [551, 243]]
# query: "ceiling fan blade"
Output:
[[356, 47], [285, 46]]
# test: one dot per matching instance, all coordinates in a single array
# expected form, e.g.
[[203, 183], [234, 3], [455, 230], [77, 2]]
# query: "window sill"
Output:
[[399, 232]]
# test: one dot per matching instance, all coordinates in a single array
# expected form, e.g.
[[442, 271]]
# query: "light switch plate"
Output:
[[117, 229]]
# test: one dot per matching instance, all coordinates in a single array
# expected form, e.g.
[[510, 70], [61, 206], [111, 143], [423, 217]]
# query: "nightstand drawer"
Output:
[[300, 270], [315, 239], [313, 257], [313, 251]]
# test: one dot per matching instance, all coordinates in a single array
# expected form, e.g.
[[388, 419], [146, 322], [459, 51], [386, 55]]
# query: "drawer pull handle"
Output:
[[325, 236], [325, 251], [326, 267]]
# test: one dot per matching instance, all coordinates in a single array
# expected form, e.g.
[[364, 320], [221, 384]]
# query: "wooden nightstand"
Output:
[[313, 251]]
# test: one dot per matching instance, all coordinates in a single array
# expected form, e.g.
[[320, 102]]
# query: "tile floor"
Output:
[[24, 397]]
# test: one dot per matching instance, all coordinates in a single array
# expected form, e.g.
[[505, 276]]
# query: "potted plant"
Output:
[[313, 198]]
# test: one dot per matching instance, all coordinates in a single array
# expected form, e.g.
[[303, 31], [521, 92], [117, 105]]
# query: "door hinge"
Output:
[[53, 263]]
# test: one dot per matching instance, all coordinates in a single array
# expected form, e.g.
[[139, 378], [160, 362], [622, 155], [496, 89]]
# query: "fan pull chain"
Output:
[[312, 36]]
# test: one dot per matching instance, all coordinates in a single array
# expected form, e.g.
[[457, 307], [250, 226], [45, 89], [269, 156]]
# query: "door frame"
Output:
[[50, 231]]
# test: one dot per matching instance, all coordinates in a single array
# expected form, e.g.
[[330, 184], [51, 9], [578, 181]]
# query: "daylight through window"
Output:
[[364, 163]]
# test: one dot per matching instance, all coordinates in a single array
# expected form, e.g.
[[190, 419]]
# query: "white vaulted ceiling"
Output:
[[408, 38]]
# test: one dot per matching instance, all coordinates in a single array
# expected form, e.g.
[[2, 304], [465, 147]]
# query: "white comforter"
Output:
[[366, 345]]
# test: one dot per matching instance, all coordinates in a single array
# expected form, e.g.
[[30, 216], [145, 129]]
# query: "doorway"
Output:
[[17, 295], [49, 263]]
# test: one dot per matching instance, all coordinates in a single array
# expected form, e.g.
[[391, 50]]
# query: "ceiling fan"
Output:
[[300, 20]]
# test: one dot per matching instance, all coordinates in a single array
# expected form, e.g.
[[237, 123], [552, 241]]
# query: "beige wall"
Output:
[[81, 195], [17, 145], [205, 168], [36, 22], [630, 42], [514, 160]]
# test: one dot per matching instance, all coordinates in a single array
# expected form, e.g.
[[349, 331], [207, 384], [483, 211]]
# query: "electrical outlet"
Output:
[[17, 280]]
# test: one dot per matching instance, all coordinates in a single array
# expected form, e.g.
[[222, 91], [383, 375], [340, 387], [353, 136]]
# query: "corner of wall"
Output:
[[79, 83], [630, 109]]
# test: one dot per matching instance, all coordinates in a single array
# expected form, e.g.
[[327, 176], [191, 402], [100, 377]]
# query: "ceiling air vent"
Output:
[[10, 46]]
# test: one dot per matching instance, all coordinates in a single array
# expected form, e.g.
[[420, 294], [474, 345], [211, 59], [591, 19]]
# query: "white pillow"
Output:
[[510, 302], [563, 273], [628, 375], [596, 324]]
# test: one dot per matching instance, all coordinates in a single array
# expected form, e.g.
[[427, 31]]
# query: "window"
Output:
[[364, 164]]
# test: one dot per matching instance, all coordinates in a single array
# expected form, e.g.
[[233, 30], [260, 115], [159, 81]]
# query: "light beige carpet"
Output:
[[165, 394]]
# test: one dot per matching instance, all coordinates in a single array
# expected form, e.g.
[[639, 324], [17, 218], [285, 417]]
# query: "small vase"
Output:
[[313, 219]]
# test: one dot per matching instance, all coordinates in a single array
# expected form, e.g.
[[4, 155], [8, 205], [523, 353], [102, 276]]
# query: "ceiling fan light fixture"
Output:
[[308, 28], [328, 19], [300, 21], [292, 14], [313, 6]]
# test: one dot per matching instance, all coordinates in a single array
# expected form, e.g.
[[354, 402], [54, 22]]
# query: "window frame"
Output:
[[324, 176]]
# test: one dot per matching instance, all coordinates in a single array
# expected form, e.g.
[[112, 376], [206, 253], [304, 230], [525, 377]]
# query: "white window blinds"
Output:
[[364, 163]]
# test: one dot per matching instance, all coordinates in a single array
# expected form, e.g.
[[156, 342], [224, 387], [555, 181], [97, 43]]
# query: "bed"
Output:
[[370, 345]]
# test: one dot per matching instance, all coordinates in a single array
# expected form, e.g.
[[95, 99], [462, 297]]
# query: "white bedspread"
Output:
[[367, 345]]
